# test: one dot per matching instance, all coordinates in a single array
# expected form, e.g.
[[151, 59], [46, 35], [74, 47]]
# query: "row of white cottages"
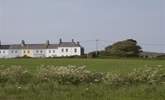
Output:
[[62, 49]]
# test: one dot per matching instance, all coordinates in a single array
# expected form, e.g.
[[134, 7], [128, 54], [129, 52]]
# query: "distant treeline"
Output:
[[124, 49]]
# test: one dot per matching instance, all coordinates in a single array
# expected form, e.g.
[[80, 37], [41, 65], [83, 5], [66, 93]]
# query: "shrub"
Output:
[[69, 75], [148, 75], [15, 74], [75, 75]]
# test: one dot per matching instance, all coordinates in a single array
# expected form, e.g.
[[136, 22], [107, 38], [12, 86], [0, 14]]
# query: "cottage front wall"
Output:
[[51, 52], [13, 53], [4, 53], [69, 51], [36, 53], [27, 52]]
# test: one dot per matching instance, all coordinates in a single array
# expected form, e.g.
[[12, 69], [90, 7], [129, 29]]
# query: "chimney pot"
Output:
[[47, 42], [60, 40], [72, 40], [22, 43], [78, 42]]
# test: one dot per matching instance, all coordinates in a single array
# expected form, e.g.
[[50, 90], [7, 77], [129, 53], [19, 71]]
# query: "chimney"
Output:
[[73, 40], [22, 43], [78, 43], [47, 42], [60, 40]]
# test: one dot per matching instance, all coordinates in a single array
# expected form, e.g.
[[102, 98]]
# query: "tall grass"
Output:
[[79, 75], [78, 83]]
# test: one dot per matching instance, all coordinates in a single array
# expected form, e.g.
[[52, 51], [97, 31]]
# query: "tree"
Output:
[[126, 48]]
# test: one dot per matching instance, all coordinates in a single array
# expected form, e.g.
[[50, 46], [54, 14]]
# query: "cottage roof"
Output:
[[4, 46], [34, 46], [14, 46], [52, 46], [39, 46], [69, 44]]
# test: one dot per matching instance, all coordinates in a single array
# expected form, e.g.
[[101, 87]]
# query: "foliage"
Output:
[[80, 75], [53, 91], [69, 75], [15, 74], [126, 48], [78, 83], [59, 74], [148, 75], [25, 56], [93, 54]]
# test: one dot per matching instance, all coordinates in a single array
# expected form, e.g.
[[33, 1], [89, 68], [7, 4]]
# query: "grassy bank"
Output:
[[123, 83]]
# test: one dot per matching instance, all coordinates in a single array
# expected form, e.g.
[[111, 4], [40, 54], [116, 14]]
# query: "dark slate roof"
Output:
[[69, 44], [15, 46], [27, 46], [4, 47], [35, 46], [39, 46], [52, 46]]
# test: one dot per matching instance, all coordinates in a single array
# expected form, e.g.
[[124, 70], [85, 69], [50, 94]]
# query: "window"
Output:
[[24, 51], [62, 50], [28, 51], [49, 51], [75, 50], [37, 51], [3, 51], [0, 51], [53, 51], [12, 51], [41, 51], [66, 50], [15, 51]]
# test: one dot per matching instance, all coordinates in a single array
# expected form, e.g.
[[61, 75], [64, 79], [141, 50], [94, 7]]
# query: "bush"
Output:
[[148, 75], [15, 74], [69, 75], [126, 48], [74, 75]]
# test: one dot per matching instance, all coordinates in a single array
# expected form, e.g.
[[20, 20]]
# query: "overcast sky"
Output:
[[84, 20]]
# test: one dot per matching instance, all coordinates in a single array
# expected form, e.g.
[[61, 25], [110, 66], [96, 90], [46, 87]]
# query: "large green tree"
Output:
[[126, 48]]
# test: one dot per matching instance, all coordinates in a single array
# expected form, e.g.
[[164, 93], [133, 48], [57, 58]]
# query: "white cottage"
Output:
[[62, 49]]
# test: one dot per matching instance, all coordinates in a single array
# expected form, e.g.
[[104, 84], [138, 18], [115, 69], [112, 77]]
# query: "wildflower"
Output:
[[159, 65], [87, 89], [19, 87]]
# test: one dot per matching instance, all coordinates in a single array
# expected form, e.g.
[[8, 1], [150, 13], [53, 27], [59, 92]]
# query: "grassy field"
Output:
[[99, 91], [103, 65]]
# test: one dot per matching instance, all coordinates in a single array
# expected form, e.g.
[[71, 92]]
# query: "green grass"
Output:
[[100, 91], [103, 65], [82, 92]]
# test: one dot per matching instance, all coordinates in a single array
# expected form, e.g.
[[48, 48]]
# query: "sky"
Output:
[[36, 21]]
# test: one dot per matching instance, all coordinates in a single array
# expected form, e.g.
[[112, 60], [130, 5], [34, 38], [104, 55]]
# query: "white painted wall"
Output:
[[13, 53], [51, 52], [59, 52], [71, 51], [38, 53], [63, 51], [4, 53]]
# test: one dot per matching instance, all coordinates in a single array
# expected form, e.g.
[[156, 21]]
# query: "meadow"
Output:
[[86, 91], [101, 65]]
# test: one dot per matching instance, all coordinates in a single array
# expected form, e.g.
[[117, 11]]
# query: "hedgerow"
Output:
[[74, 75]]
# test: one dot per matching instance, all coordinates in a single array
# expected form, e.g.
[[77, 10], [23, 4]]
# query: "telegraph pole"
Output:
[[97, 46]]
